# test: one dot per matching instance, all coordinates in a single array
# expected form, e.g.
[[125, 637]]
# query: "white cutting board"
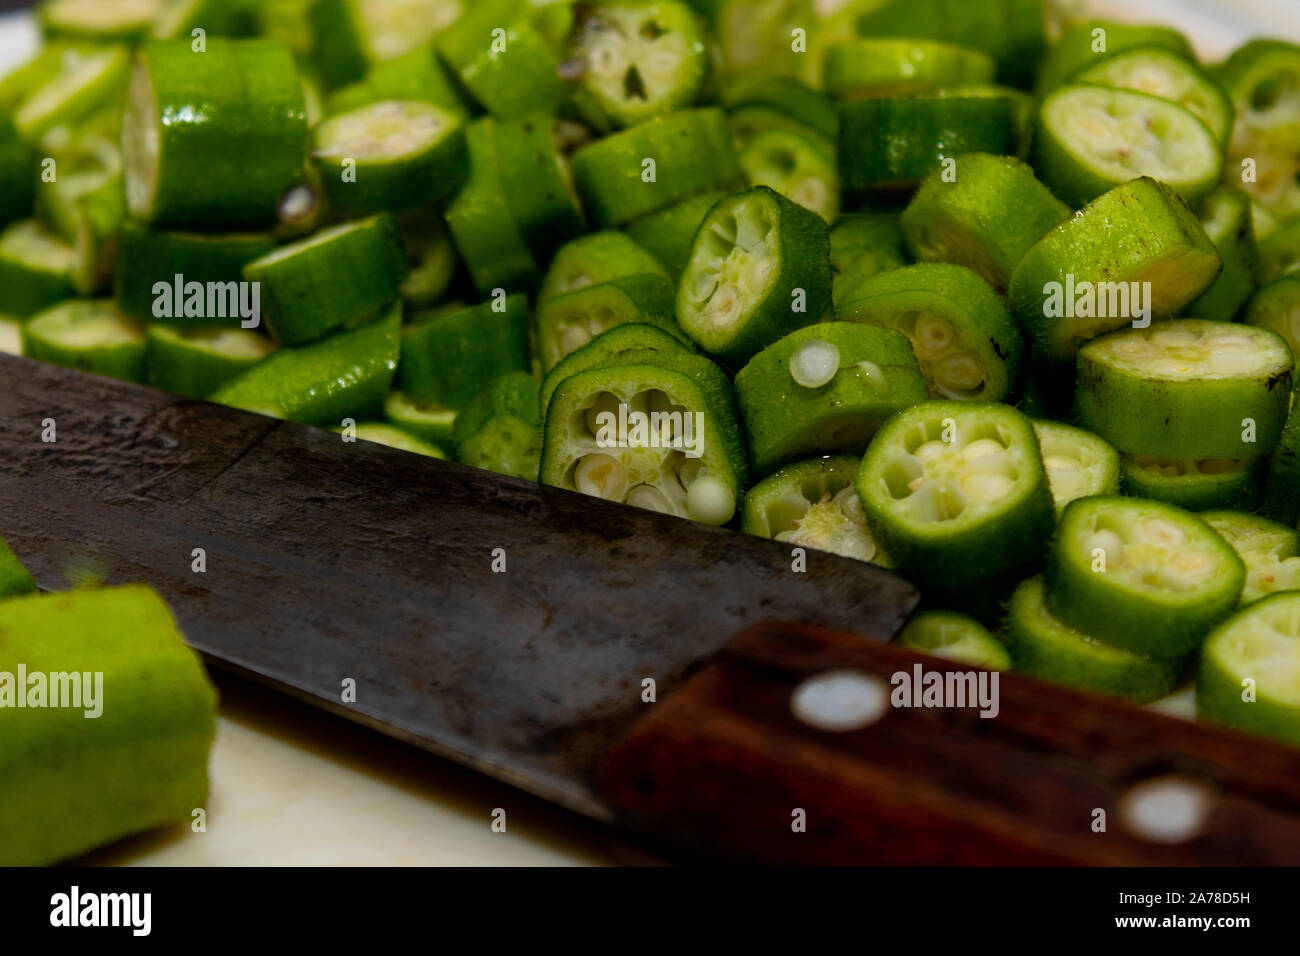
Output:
[[293, 786]]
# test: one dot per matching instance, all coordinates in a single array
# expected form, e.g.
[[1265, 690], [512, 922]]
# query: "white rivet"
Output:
[[840, 701], [1167, 809]]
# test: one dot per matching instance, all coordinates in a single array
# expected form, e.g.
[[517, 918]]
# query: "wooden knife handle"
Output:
[[725, 766]]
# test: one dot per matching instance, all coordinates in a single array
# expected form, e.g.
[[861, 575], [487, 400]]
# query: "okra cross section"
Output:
[[568, 322], [1141, 575], [1197, 484], [661, 436], [955, 637], [1188, 389], [759, 268], [1270, 551], [1078, 463], [957, 493]]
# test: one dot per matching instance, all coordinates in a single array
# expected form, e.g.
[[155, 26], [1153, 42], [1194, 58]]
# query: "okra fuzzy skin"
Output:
[[449, 361]]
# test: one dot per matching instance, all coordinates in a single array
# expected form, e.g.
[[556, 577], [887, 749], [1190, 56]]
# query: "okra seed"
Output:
[[985, 488], [574, 338], [601, 476], [1108, 542], [1164, 533], [933, 336], [814, 364], [649, 498], [710, 501]]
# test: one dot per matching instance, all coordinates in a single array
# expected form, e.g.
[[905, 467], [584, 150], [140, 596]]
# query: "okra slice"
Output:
[[538, 183], [1279, 253], [1270, 551], [1013, 32], [449, 361], [88, 81], [593, 259], [36, 269], [760, 101], [668, 234], [146, 257], [1196, 485], [86, 204], [1089, 275], [1081, 47], [604, 348], [894, 143], [1078, 463], [568, 322], [100, 21], [1250, 670], [215, 17], [661, 436], [17, 172], [968, 346], [655, 164], [1094, 138], [871, 67], [1263, 79], [956, 493], [813, 504], [88, 334], [800, 167], [501, 430], [345, 375], [638, 59], [1186, 389], [828, 387], [1142, 575], [516, 75], [418, 75], [143, 753], [1276, 307], [955, 637], [352, 35], [212, 139], [1282, 490], [759, 268], [486, 233], [427, 421], [342, 276], [18, 84], [1227, 218], [390, 156], [197, 362], [14, 578], [861, 246], [1043, 645], [986, 219], [430, 255], [754, 35], [382, 433]]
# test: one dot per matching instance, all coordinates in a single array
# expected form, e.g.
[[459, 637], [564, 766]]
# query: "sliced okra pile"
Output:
[[931, 291]]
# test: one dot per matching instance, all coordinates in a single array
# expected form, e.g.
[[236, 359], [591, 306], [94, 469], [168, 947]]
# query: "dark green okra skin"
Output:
[[1228, 222], [14, 578], [146, 257], [30, 282], [449, 361], [46, 338], [501, 430], [1238, 488], [1282, 489], [566, 319], [17, 172], [667, 234], [175, 361], [418, 75], [536, 184], [784, 96], [210, 113], [595, 258]]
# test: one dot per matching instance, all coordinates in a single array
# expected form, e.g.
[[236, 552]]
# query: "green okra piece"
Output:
[[892, 143], [1141, 575], [391, 436], [668, 234], [36, 269], [968, 346], [351, 36], [1270, 551], [126, 751], [430, 254], [88, 334], [15, 579], [418, 75], [596, 258], [501, 430], [89, 81], [862, 245], [448, 361], [957, 494], [1282, 489], [212, 139], [986, 218], [1226, 216], [502, 60], [1276, 307], [1090, 274], [1195, 485], [1259, 646], [17, 172], [777, 96], [147, 257], [215, 17], [604, 348], [759, 269], [1279, 254], [755, 35], [825, 388], [1260, 76], [1044, 646], [1186, 389], [955, 637], [99, 21], [798, 166], [1084, 45], [86, 204], [641, 59], [882, 66], [486, 233], [537, 182], [655, 164], [197, 362], [345, 375], [660, 434], [1012, 32], [390, 156], [1078, 463], [568, 322], [426, 421], [19, 84], [813, 504], [341, 276]]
